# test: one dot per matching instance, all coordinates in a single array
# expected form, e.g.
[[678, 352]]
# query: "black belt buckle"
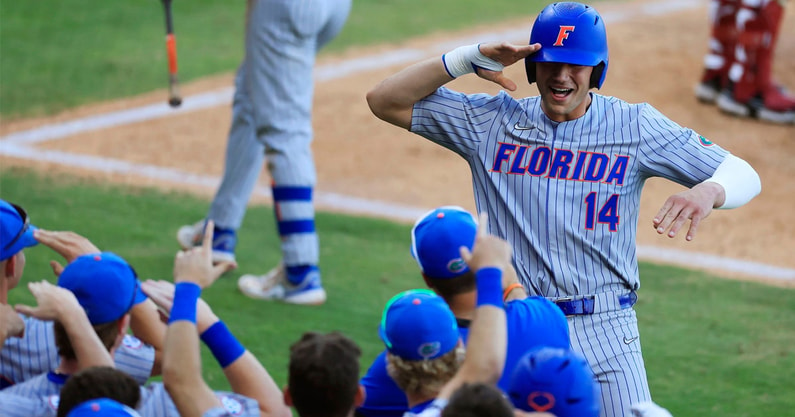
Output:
[[576, 306]]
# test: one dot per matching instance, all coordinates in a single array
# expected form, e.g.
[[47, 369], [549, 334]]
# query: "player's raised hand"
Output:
[[53, 302], [488, 250], [506, 54], [70, 245], [162, 294], [11, 325], [196, 264], [691, 205]]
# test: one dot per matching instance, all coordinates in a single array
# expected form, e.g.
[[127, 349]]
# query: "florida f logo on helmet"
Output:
[[563, 34]]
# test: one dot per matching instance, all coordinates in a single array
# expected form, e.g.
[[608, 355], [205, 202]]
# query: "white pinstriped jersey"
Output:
[[12, 405], [565, 195], [35, 353], [155, 402]]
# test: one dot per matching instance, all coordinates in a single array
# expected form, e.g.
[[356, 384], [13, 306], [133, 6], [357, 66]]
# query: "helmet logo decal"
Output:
[[563, 34], [541, 401]]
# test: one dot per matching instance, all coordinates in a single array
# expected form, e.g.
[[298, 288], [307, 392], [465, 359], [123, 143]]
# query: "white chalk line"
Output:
[[18, 145]]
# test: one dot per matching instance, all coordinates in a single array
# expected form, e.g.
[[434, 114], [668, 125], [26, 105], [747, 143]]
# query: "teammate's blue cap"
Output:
[[104, 284], [554, 380], [570, 33], [437, 237], [102, 407], [418, 325], [16, 232]]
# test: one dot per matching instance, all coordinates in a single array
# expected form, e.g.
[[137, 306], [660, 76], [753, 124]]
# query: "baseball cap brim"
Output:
[[25, 241]]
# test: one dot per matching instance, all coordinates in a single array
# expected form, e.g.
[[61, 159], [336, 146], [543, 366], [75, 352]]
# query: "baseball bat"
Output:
[[174, 99]]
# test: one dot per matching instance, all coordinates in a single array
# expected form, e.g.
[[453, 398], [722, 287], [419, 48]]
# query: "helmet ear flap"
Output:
[[530, 69], [596, 75]]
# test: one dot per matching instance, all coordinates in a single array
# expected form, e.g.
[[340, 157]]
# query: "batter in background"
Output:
[[272, 120], [560, 176]]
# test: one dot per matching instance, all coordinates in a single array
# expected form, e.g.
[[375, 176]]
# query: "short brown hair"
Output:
[[324, 374], [449, 287], [107, 333], [478, 400], [424, 377], [98, 382]]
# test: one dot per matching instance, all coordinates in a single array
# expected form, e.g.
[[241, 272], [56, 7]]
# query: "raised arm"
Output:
[[56, 303], [488, 334], [193, 270], [393, 99]]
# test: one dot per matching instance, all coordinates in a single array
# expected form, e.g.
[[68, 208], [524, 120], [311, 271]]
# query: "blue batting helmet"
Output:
[[554, 380], [570, 33]]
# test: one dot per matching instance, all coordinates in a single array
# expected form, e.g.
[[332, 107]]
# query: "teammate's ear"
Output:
[[361, 395], [288, 399], [9, 267]]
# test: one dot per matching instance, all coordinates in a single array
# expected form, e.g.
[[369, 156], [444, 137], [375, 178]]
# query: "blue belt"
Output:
[[587, 304]]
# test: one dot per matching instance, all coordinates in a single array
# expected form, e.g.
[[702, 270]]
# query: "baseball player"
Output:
[[424, 346], [271, 118], [35, 353], [561, 174], [739, 64], [323, 376], [436, 239]]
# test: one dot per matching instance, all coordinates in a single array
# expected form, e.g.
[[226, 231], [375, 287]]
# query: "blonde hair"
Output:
[[425, 377]]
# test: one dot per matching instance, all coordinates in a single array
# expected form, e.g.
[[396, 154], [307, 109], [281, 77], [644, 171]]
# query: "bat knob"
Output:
[[174, 101]]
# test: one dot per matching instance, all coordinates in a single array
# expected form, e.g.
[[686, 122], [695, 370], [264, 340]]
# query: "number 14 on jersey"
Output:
[[607, 214]]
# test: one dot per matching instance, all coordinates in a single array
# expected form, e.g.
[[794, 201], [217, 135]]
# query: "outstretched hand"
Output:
[[162, 294], [488, 250], [506, 54], [70, 245], [694, 205], [196, 264], [54, 302]]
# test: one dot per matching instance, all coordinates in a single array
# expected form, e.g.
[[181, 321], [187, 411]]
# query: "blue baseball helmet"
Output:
[[570, 33], [554, 380]]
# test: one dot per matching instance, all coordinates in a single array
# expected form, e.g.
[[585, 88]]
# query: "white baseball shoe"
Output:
[[275, 286]]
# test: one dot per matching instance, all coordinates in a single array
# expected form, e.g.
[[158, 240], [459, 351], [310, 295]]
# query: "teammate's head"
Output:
[[102, 407], [98, 382], [558, 381], [435, 241], [570, 33], [107, 288], [478, 400], [323, 377], [16, 233], [422, 342]]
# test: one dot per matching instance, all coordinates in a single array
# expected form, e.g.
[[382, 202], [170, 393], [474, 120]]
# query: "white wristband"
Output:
[[739, 181], [466, 59]]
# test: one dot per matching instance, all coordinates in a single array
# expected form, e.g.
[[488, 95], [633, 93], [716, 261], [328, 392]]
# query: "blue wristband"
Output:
[[223, 344], [186, 294], [489, 283]]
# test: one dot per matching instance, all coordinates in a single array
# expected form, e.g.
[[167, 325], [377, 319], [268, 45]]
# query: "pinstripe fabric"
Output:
[[18, 406], [155, 402], [566, 196], [35, 353], [272, 112]]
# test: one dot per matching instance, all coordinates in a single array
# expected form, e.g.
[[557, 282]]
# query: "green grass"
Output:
[[55, 55], [712, 346]]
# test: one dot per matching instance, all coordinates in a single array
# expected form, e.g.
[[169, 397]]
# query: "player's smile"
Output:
[[564, 89]]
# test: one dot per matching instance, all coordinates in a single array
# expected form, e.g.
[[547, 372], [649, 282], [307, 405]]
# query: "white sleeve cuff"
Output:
[[739, 180]]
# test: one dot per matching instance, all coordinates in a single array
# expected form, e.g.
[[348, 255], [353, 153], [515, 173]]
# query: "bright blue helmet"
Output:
[[570, 33], [555, 380]]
